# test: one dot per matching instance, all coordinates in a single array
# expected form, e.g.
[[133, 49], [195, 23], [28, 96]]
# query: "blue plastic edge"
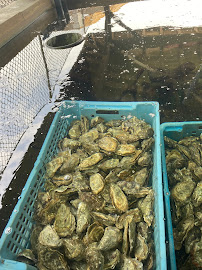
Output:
[[162, 249], [14, 265], [166, 191], [172, 127], [161, 264]]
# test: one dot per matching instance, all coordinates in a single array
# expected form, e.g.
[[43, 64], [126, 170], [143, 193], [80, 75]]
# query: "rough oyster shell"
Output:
[[119, 199]]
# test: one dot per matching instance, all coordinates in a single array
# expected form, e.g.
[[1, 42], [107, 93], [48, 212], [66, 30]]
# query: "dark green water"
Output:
[[156, 64]]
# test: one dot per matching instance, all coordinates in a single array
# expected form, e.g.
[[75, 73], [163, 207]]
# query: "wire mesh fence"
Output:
[[4, 3], [24, 90]]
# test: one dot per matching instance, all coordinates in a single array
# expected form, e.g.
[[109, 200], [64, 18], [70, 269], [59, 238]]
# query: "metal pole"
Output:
[[46, 67]]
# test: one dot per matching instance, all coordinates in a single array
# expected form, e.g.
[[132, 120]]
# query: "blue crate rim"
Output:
[[166, 191]]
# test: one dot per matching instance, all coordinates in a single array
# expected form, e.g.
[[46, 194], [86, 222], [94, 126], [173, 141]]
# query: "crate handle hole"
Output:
[[200, 127], [107, 112]]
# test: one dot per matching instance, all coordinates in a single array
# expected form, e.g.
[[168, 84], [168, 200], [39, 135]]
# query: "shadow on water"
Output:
[[140, 65]]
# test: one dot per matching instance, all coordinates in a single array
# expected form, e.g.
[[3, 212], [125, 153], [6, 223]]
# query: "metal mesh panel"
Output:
[[4, 3], [23, 92]]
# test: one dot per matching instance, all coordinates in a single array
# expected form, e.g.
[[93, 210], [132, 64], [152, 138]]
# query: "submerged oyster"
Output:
[[118, 198], [49, 237], [52, 260], [74, 249], [64, 221], [94, 257], [111, 238]]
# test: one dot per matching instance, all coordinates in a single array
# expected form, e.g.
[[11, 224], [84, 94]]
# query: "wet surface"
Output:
[[158, 63]]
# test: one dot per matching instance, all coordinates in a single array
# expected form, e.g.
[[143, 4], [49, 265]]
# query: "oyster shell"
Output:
[[125, 149], [52, 260], [132, 264], [141, 248], [112, 258], [67, 143], [94, 233], [27, 256], [70, 164], [111, 238], [49, 237], [64, 221], [95, 121], [119, 199], [83, 217], [75, 130], [90, 161], [108, 144], [74, 249], [197, 195], [53, 166], [96, 183], [94, 257], [146, 206], [182, 191], [107, 220]]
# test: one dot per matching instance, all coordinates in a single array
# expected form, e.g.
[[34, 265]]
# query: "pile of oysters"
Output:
[[184, 169], [96, 210]]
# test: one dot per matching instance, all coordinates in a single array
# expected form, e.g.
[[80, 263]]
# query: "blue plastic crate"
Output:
[[17, 232], [175, 131]]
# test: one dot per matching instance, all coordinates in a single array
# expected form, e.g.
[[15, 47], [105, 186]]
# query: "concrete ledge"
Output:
[[17, 16]]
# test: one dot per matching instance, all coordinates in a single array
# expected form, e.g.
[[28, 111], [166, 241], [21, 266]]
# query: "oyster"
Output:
[[94, 257], [129, 235], [74, 249], [111, 238], [75, 130], [132, 264], [107, 220], [49, 237], [145, 159], [64, 221], [135, 213], [27, 256], [125, 149], [90, 161], [67, 143], [94, 202], [70, 164], [94, 233], [95, 121], [89, 136], [197, 254], [96, 183], [112, 258], [119, 199], [52, 260], [53, 166], [109, 164], [108, 144], [182, 191], [85, 124], [146, 206], [83, 217], [141, 248], [197, 195]]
